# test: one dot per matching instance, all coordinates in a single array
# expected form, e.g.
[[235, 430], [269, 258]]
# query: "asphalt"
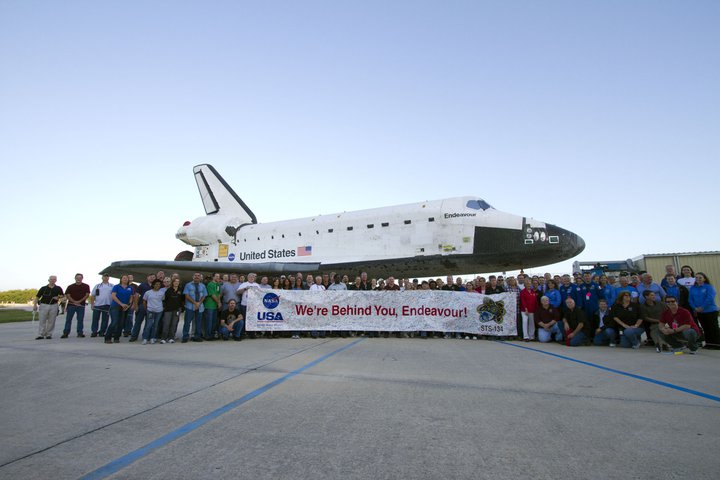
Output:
[[368, 408]]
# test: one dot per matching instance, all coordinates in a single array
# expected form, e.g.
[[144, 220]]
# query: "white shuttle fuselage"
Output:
[[451, 236]]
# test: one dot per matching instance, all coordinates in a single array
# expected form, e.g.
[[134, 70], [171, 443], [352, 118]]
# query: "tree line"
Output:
[[17, 296]]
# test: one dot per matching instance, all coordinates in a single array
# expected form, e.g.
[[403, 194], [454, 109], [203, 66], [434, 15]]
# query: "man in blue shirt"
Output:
[[648, 284], [626, 287], [195, 293], [567, 289], [588, 295]]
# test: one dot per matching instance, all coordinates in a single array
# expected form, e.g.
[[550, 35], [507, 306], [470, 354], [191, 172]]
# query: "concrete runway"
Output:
[[353, 409]]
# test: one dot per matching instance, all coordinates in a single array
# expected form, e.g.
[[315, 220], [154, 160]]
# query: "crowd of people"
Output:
[[679, 314]]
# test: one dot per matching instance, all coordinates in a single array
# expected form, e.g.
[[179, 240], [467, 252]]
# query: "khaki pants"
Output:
[[46, 316]]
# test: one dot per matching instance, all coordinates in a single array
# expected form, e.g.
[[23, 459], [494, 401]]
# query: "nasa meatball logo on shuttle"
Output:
[[270, 301]]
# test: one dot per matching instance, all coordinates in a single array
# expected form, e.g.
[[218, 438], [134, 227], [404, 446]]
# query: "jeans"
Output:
[[554, 333], [128, 322], [74, 310], [577, 340], [118, 317], [192, 316], [152, 319], [605, 337], [210, 318], [631, 337], [238, 328], [97, 311], [139, 317]]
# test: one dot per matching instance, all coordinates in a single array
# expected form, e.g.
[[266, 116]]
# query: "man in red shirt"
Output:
[[676, 324], [76, 294]]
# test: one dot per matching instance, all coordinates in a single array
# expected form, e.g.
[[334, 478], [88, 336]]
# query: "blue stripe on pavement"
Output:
[[620, 372], [132, 457]]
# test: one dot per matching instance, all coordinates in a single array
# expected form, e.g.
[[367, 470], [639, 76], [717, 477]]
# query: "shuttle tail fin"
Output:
[[218, 197]]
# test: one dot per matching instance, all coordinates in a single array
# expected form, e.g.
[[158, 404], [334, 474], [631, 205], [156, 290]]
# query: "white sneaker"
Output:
[[144, 342], [153, 341], [474, 337], [612, 345], [162, 342], [467, 338], [171, 341]]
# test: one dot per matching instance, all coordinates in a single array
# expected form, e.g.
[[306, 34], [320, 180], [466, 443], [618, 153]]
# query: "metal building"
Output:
[[654, 264], [706, 262]]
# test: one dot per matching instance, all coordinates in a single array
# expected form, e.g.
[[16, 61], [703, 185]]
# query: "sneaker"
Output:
[[467, 337], [81, 335], [296, 337], [678, 349], [153, 341], [132, 339], [636, 347], [612, 345], [184, 340], [658, 349], [171, 341], [144, 342], [197, 339], [64, 335], [39, 337], [116, 340], [48, 337], [109, 341], [93, 335], [162, 342], [474, 337], [126, 334]]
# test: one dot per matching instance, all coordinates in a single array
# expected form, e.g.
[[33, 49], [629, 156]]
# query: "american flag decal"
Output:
[[304, 251]]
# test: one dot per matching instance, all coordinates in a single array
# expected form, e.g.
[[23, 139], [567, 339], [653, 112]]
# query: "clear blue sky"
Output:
[[601, 117]]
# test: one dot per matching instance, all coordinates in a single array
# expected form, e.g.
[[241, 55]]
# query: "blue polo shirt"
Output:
[[122, 294]]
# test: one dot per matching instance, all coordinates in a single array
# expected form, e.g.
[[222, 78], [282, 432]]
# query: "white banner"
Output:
[[409, 311]]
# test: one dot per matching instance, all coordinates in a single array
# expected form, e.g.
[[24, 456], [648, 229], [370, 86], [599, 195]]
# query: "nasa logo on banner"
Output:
[[231, 257], [270, 301]]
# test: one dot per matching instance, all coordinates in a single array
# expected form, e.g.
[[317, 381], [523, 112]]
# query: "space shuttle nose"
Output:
[[579, 244], [570, 243]]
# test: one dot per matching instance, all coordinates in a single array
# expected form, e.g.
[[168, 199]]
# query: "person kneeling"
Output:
[[547, 318], [602, 324], [231, 322], [677, 325], [575, 325]]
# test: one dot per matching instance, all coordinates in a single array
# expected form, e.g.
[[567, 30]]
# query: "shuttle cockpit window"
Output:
[[478, 204]]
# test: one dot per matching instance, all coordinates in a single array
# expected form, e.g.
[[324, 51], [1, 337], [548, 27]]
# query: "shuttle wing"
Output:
[[218, 197], [143, 268]]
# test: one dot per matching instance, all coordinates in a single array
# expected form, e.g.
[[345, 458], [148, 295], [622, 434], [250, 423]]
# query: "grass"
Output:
[[10, 315]]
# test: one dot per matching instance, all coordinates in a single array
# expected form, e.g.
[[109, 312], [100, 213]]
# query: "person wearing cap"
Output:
[[100, 300]]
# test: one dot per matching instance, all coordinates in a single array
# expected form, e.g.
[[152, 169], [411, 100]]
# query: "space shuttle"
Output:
[[459, 236]]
